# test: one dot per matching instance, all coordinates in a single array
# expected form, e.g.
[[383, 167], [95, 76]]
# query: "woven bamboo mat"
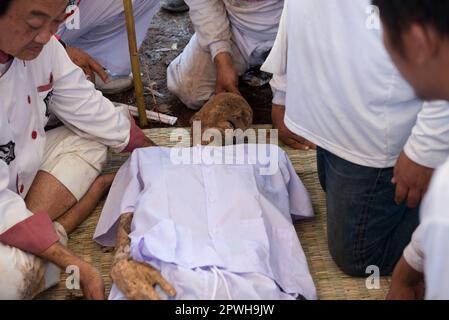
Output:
[[331, 283]]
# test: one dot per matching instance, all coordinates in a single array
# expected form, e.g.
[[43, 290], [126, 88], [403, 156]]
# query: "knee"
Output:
[[192, 93], [358, 264]]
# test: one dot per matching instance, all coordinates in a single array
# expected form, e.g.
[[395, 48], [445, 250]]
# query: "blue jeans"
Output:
[[364, 224]]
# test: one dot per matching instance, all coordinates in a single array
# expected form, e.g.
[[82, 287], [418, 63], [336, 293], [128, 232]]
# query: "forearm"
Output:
[[62, 257], [406, 275], [123, 241], [224, 60]]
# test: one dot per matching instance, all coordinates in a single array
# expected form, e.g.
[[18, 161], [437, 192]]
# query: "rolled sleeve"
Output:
[[279, 88], [220, 47], [212, 25], [428, 144], [413, 253]]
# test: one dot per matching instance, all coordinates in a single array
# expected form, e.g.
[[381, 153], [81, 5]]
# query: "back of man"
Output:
[[378, 143]]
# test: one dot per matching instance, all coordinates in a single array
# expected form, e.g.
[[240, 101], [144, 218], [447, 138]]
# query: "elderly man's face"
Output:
[[28, 25]]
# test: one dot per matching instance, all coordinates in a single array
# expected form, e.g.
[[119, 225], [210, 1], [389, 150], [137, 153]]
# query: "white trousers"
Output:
[[102, 32], [192, 75], [76, 162]]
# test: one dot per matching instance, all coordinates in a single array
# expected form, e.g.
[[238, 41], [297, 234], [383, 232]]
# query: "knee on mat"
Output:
[[350, 264]]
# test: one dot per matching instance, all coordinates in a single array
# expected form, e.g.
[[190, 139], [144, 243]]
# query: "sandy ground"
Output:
[[167, 36]]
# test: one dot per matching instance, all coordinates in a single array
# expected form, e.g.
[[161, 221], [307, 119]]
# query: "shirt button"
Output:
[[34, 135], [29, 100], [22, 188]]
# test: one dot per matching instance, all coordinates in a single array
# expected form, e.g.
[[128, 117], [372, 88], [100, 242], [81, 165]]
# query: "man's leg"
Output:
[[68, 189], [103, 32], [365, 226], [67, 211], [192, 75], [70, 168]]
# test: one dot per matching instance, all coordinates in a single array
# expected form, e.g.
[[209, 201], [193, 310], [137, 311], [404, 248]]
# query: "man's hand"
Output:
[[411, 180], [286, 136], [91, 283], [137, 280], [406, 283], [87, 63], [90, 279], [227, 78]]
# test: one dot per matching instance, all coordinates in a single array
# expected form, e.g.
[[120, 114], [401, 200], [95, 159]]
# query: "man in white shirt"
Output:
[[98, 28], [48, 179], [417, 38], [378, 144], [231, 36]]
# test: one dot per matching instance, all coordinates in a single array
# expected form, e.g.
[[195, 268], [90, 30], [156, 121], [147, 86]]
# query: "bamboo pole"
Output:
[[134, 53]]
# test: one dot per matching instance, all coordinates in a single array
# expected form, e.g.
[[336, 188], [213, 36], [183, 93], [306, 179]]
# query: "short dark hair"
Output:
[[398, 15], [4, 6]]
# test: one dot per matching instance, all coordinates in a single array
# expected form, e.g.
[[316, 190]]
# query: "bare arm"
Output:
[[90, 279], [406, 283]]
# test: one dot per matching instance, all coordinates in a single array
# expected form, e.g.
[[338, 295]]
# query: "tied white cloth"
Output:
[[215, 231]]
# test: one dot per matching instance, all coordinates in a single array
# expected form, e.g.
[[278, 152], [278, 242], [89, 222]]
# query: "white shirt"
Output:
[[344, 93], [429, 250], [191, 220], [30, 91], [252, 24]]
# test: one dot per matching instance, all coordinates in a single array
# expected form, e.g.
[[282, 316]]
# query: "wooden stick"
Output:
[[134, 53]]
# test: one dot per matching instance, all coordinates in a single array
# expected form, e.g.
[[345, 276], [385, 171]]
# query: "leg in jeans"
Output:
[[365, 225]]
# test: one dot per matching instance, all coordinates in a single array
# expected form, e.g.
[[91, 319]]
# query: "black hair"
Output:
[[398, 15], [4, 6]]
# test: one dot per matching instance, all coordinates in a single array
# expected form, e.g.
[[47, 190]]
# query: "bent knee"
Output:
[[359, 265], [192, 92]]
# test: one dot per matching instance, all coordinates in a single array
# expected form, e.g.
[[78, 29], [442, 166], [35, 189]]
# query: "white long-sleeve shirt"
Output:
[[194, 218], [31, 91], [428, 251], [252, 24], [343, 92]]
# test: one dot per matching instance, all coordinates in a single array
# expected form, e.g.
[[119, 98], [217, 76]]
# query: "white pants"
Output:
[[102, 32], [192, 75], [76, 162]]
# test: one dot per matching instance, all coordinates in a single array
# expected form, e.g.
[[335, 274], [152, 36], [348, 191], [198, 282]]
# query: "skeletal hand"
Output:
[[137, 280]]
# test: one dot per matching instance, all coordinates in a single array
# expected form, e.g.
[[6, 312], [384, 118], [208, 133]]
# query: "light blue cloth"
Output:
[[227, 229]]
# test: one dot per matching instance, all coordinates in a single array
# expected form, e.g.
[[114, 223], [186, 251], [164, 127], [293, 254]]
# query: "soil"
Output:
[[168, 35]]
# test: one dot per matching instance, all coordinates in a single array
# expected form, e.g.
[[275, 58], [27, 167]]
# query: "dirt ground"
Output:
[[168, 35]]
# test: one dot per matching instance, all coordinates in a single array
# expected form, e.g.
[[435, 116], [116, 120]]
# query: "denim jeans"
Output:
[[365, 226]]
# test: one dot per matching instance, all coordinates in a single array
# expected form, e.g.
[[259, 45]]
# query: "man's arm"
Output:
[[213, 30], [279, 88], [426, 149], [90, 279], [86, 111], [408, 280], [406, 283]]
